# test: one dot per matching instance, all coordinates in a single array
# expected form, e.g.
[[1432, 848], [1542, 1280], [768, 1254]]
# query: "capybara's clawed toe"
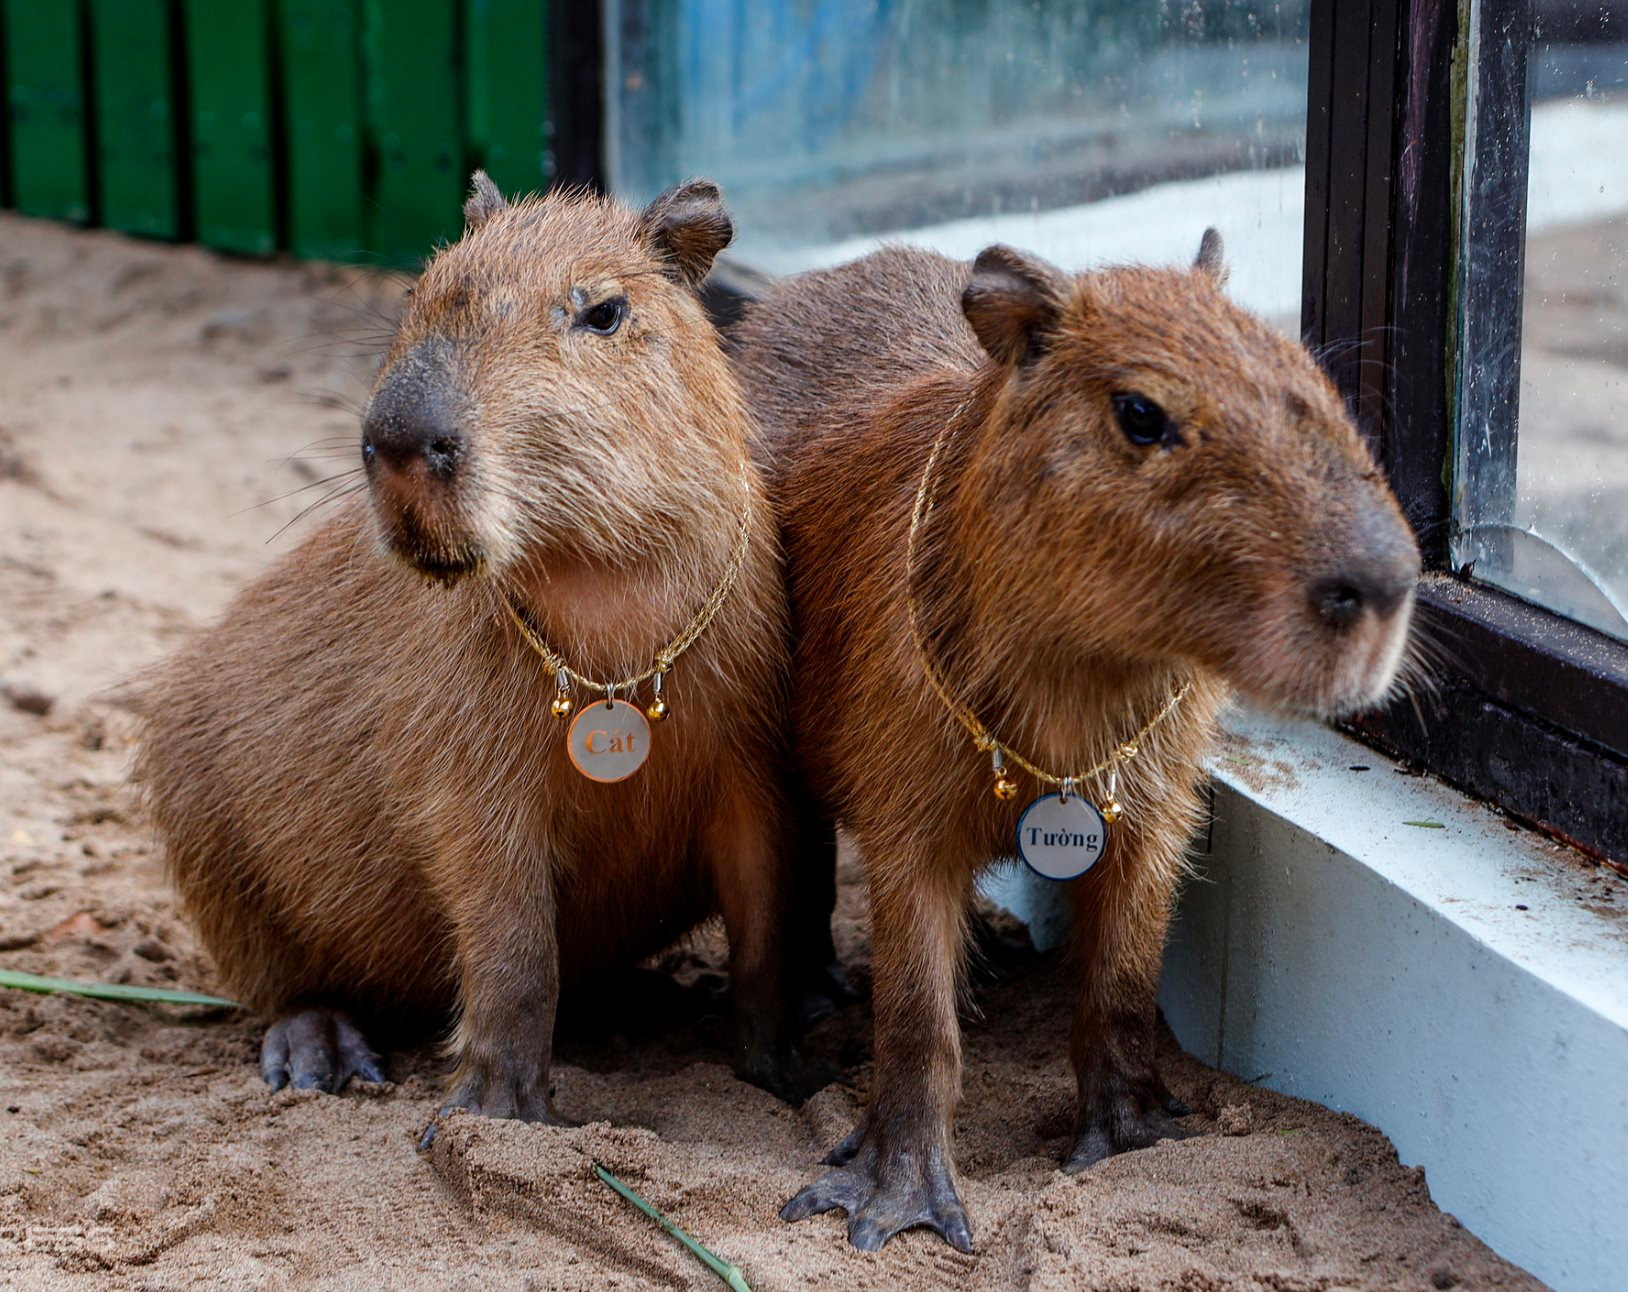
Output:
[[274, 1055], [844, 1152], [317, 1049], [884, 1194], [1167, 1100], [1129, 1122], [1090, 1147], [833, 1191]]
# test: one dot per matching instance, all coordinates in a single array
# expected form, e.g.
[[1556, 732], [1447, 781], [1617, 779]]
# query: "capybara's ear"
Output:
[[484, 202], [1013, 303], [688, 226], [1212, 257]]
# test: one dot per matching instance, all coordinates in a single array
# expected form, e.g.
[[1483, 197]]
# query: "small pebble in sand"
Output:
[[1235, 1119], [27, 699], [231, 325]]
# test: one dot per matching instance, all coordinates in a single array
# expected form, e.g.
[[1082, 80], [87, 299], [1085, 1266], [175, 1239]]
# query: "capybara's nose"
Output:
[[400, 439], [1338, 601], [1342, 599], [1379, 569]]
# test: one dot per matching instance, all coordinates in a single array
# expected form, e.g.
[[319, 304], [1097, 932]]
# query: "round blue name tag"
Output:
[[1061, 839]]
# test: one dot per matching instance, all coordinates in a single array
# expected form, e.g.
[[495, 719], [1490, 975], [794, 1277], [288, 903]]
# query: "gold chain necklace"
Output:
[[1005, 787], [611, 745]]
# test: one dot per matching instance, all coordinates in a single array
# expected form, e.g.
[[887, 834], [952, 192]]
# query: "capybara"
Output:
[[361, 776], [1141, 497]]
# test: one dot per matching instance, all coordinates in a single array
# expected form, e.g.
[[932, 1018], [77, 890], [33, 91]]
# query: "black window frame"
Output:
[[1524, 708]]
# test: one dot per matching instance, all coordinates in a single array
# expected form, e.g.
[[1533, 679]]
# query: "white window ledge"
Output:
[[1463, 988]]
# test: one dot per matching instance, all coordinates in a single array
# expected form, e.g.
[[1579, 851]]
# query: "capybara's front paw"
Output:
[[886, 1192], [316, 1049], [1125, 1113], [497, 1090]]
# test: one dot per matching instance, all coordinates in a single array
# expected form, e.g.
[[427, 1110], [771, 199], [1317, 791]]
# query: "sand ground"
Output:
[[152, 400]]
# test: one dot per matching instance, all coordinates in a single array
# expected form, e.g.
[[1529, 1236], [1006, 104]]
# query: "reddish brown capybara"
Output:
[[1140, 498], [361, 776]]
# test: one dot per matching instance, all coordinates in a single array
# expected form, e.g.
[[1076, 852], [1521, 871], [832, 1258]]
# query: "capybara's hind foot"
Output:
[[317, 1049], [885, 1194], [826, 991], [1133, 1116], [788, 1075]]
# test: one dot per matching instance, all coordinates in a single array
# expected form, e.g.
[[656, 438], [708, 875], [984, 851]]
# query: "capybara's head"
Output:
[[555, 388], [1178, 479]]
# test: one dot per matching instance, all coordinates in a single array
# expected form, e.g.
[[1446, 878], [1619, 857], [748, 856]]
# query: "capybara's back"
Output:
[[421, 766], [1037, 526]]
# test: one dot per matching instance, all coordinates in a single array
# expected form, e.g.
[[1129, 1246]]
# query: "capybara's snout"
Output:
[[416, 448], [413, 438], [1373, 576], [1313, 610], [1362, 600]]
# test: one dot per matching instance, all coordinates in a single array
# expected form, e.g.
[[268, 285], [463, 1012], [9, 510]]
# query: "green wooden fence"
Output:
[[338, 129]]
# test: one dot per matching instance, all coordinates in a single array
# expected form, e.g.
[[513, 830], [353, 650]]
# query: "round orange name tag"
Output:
[[609, 740]]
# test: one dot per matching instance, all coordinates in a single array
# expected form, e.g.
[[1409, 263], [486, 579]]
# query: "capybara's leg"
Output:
[[819, 985], [896, 1170], [1121, 910], [508, 953], [750, 857], [316, 1049]]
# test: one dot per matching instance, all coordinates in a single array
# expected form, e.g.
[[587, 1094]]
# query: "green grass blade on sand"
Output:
[[730, 1274], [110, 991]]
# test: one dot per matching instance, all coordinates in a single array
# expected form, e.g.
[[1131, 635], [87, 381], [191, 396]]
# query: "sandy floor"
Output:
[[149, 399]]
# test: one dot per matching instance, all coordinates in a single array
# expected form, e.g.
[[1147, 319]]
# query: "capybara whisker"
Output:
[[294, 493]]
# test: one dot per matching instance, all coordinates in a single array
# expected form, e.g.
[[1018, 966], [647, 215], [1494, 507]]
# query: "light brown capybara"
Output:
[[363, 792], [1142, 495]]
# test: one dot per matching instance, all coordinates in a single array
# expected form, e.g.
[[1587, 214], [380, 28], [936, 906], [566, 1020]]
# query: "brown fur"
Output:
[[1069, 580], [363, 797]]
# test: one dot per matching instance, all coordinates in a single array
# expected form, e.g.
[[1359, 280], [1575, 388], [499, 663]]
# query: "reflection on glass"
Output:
[[1083, 132], [1558, 533]]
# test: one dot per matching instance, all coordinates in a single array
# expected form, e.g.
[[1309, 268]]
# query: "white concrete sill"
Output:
[[1465, 989], [1462, 986]]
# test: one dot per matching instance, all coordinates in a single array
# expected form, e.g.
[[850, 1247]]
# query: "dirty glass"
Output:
[[1541, 477], [1085, 132]]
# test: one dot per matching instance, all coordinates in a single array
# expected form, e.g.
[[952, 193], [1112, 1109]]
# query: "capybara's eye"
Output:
[[1143, 421], [605, 317]]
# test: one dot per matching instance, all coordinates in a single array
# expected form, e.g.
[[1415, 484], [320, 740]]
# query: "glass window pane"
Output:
[[1556, 532], [1084, 132]]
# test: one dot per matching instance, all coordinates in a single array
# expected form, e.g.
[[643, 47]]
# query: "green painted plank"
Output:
[[508, 92], [5, 116], [229, 81], [414, 97], [134, 112], [46, 108], [323, 126]]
